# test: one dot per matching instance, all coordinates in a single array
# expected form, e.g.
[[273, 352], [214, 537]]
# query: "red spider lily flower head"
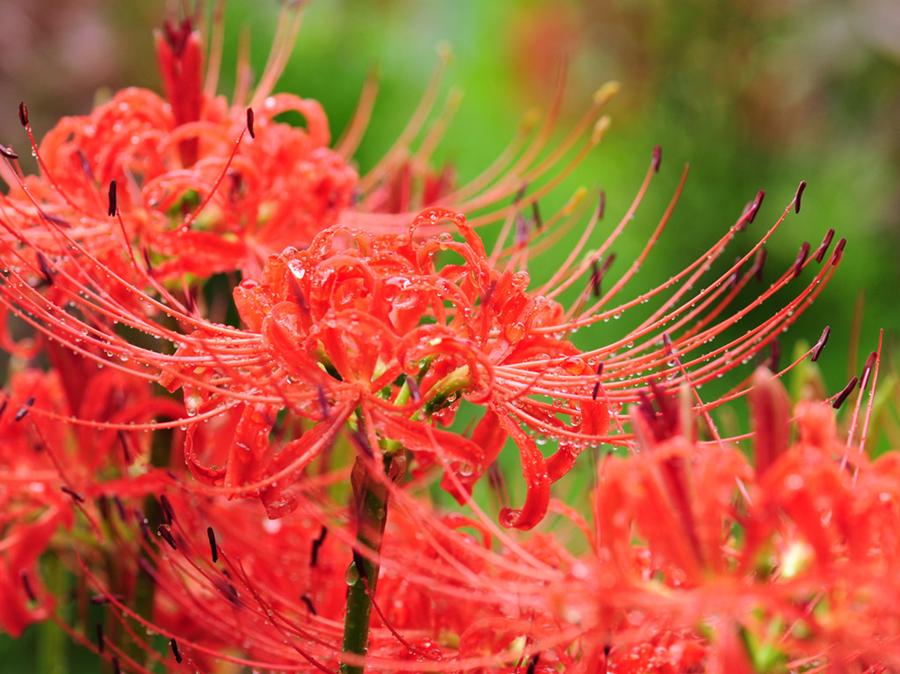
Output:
[[183, 172], [680, 499], [380, 325], [200, 184], [779, 564], [379, 332]]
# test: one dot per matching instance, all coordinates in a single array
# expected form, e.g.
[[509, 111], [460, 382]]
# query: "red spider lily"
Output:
[[786, 561], [197, 195], [220, 596], [354, 328], [357, 277], [698, 562]]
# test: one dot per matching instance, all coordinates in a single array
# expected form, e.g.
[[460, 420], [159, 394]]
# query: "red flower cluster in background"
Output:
[[239, 370]]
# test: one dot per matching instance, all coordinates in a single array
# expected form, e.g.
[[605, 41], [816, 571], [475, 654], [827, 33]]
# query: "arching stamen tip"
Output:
[[800, 260], [657, 158], [667, 343], [44, 266], [599, 380], [536, 215], [820, 345], [600, 129], [250, 129], [867, 369], [74, 495], [27, 587], [306, 599], [145, 253], [113, 207], [838, 252], [606, 92], [845, 393], [595, 278], [316, 544], [23, 114], [213, 548], [23, 410], [753, 207], [8, 152], [167, 510], [823, 247], [165, 533], [520, 194], [799, 195], [176, 653]]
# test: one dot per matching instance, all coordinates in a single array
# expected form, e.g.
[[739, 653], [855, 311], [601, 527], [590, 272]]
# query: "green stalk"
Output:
[[144, 597], [371, 503], [53, 643]]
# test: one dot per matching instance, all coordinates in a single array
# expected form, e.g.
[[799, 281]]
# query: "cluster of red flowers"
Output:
[[250, 482]]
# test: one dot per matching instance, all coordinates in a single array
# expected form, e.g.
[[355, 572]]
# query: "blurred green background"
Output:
[[754, 94]]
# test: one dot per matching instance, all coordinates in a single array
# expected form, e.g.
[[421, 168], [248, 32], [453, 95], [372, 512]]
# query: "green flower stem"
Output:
[[53, 643], [371, 503]]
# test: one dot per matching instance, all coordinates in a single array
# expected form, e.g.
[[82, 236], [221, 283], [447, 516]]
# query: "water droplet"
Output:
[[352, 575]]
